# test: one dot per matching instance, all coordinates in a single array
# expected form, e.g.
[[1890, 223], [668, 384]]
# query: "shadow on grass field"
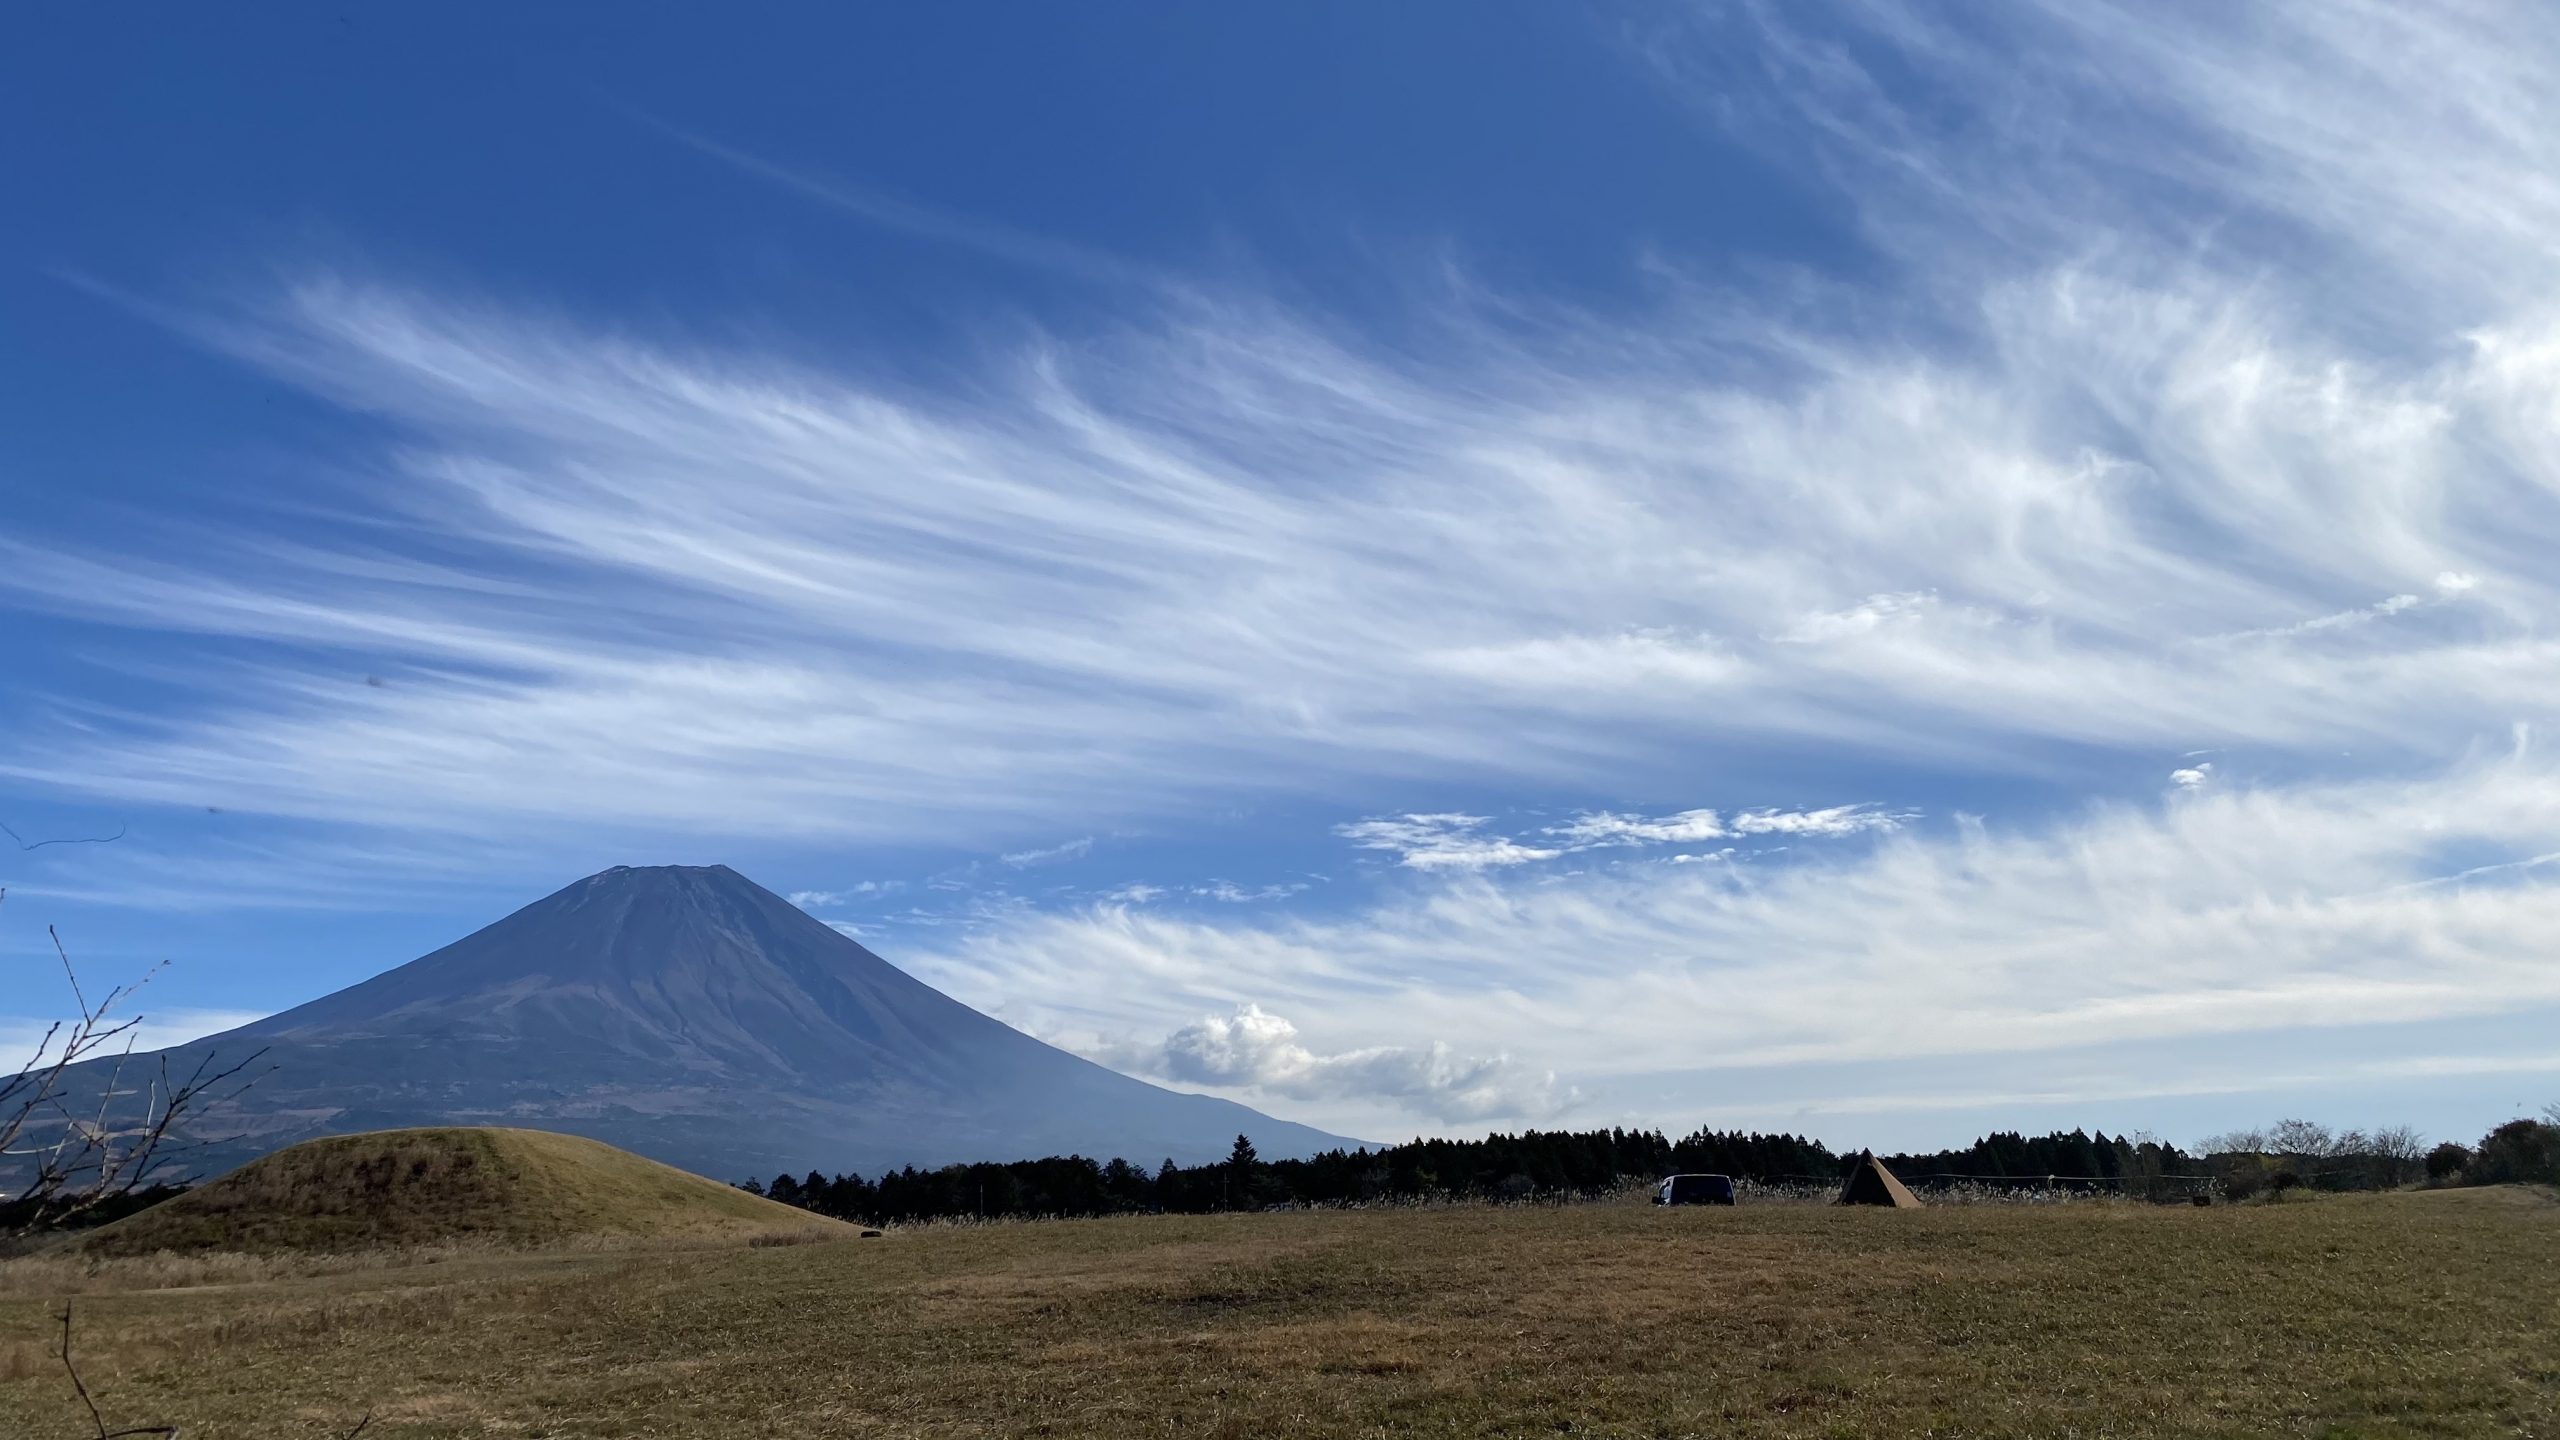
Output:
[[2379, 1315]]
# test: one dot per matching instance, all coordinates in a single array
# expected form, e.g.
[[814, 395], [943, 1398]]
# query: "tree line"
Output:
[[1534, 1164], [2063, 1160], [2306, 1155], [1583, 1164]]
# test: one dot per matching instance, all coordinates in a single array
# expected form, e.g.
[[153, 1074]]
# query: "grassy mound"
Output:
[[418, 1187]]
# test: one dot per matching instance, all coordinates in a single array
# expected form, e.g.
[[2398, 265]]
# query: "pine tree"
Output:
[[1241, 1167]]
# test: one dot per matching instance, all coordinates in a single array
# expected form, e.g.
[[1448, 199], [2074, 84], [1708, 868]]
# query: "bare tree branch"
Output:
[[96, 1418], [77, 1161], [69, 973]]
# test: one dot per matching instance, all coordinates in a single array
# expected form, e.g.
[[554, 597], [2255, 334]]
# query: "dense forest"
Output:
[[2073, 1160]]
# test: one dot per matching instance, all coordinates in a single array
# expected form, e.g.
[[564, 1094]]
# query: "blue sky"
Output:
[[1425, 567]]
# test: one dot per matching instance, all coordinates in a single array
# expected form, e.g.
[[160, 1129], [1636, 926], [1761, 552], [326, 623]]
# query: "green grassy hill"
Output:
[[415, 1187]]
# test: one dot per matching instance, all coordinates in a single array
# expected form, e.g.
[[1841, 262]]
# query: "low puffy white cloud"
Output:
[[1255, 1050], [2192, 777]]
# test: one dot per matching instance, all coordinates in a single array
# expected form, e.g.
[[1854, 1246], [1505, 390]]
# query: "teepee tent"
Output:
[[1872, 1184]]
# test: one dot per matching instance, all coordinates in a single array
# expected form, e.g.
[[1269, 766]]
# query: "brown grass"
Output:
[[2356, 1316], [404, 1188]]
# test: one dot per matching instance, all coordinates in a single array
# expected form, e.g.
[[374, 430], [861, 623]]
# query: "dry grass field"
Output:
[[2435, 1314]]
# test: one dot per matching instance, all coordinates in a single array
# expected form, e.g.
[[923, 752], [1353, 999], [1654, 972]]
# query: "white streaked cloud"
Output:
[[2221, 912], [1075, 849], [1234, 548], [860, 890], [1228, 892], [1447, 841], [1837, 820], [26, 1039], [1600, 827], [1225, 892], [1453, 841]]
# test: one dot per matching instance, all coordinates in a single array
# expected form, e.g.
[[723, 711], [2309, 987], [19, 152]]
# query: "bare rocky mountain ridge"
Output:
[[692, 1016]]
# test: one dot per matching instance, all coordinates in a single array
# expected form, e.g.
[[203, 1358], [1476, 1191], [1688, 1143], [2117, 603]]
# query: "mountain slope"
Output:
[[692, 1016]]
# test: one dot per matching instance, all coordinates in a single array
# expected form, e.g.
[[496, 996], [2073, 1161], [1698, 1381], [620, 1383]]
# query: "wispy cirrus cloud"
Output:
[[1228, 892], [905, 602], [845, 895], [2099, 938], [27, 1039], [1075, 849]]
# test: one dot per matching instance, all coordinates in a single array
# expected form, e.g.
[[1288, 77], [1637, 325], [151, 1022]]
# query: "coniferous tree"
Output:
[[1243, 1168]]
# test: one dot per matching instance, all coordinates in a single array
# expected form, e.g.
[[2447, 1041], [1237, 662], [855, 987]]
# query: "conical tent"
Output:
[[1872, 1184]]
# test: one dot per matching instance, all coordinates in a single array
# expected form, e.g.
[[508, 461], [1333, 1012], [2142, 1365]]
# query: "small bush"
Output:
[[2520, 1150], [2447, 1161]]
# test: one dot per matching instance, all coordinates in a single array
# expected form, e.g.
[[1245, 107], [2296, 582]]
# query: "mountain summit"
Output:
[[693, 1016]]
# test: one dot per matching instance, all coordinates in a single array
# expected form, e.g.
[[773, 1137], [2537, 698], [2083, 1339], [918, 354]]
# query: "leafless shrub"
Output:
[[72, 1153], [2318, 1157]]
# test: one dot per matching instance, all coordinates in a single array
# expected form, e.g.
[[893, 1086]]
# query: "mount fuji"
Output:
[[693, 1016]]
